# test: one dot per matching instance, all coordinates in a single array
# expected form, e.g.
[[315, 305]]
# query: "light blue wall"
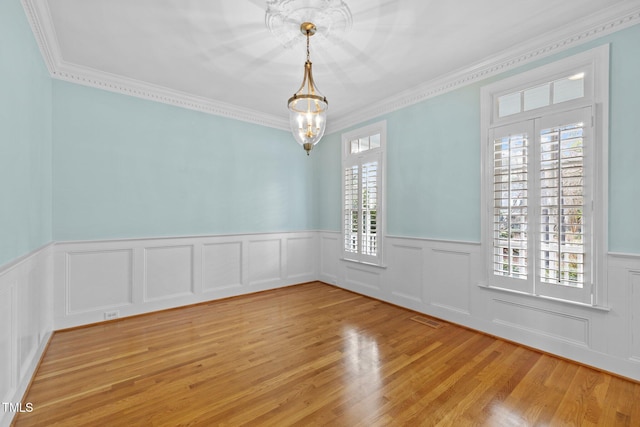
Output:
[[433, 160], [327, 174], [433, 169], [433, 164], [624, 147], [25, 138], [126, 167]]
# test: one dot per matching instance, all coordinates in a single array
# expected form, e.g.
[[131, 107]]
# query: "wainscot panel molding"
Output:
[[634, 309], [440, 278], [221, 266], [26, 320], [98, 280], [329, 250], [265, 261], [102, 280], [450, 278], [624, 298], [168, 272], [527, 318]]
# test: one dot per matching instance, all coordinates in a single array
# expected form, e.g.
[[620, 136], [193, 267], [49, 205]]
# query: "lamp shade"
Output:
[[308, 116]]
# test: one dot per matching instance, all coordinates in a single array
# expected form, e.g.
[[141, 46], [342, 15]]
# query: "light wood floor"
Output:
[[306, 355]]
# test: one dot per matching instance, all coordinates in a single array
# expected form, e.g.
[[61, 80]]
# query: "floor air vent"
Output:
[[426, 321]]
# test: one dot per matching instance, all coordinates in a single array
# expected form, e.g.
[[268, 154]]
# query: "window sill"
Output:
[[371, 264], [546, 298]]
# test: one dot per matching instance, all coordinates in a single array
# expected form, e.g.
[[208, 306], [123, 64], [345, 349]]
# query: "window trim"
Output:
[[596, 62], [349, 159]]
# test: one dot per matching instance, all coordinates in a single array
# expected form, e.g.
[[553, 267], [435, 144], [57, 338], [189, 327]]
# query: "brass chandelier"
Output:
[[308, 107]]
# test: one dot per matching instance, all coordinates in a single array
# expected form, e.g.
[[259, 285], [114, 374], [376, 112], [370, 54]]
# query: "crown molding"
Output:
[[610, 20], [595, 26], [114, 83], [39, 18]]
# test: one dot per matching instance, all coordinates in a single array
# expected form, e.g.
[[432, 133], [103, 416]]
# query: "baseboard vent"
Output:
[[427, 321]]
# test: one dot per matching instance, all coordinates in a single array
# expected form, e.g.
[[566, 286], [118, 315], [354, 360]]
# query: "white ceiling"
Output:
[[220, 55]]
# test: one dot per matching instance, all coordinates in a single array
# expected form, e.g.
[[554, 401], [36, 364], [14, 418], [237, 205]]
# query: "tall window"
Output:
[[545, 179], [362, 207]]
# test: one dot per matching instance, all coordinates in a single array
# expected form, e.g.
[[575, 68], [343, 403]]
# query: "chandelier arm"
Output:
[[304, 80]]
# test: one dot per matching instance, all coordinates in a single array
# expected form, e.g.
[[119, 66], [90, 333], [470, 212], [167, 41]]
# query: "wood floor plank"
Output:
[[308, 355]]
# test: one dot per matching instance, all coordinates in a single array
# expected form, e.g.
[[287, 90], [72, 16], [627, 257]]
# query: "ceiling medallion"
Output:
[[332, 19]]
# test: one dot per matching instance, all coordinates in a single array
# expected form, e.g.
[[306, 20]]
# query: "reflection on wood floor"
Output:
[[311, 354]]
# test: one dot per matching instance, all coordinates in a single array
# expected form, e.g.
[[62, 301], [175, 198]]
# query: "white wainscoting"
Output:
[[624, 271], [440, 278], [424, 275], [634, 309], [75, 283], [544, 322], [96, 280], [26, 323]]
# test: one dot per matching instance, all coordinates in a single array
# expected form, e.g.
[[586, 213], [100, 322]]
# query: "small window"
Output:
[[362, 178], [367, 143], [509, 104], [537, 97], [568, 88]]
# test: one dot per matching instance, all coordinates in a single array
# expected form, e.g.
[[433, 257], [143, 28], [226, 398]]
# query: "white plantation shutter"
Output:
[[361, 209], [565, 200], [541, 213], [562, 203], [369, 198], [351, 208], [510, 205], [510, 209]]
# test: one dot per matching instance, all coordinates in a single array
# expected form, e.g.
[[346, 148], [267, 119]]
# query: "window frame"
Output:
[[595, 64], [358, 159]]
